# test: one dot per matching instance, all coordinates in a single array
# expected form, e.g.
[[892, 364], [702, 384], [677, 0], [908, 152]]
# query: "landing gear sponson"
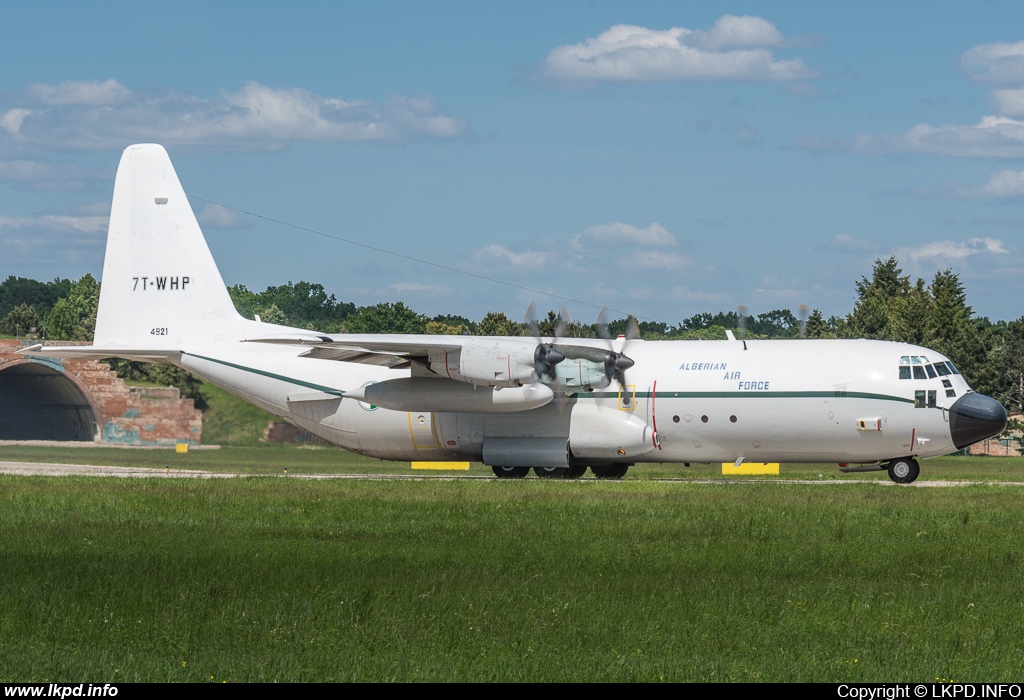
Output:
[[605, 471]]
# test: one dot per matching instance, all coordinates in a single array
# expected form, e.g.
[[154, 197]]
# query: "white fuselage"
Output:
[[708, 401]]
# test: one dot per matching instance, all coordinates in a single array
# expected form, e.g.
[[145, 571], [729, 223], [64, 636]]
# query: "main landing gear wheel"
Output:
[[904, 470], [552, 472], [510, 472], [576, 471], [610, 471]]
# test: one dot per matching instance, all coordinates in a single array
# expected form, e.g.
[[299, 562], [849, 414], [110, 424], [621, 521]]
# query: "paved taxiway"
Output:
[[41, 469]]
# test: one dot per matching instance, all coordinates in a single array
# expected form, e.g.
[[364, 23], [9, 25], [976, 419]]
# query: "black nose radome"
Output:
[[975, 417]]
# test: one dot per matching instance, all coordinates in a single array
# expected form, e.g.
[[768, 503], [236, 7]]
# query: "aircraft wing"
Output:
[[396, 351]]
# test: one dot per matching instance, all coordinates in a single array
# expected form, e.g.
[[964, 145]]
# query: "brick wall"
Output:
[[124, 415]]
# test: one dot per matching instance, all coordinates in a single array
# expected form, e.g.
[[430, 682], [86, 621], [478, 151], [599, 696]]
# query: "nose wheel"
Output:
[[904, 470]]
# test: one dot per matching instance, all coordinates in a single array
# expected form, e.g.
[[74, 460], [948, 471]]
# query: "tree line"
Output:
[[889, 306]]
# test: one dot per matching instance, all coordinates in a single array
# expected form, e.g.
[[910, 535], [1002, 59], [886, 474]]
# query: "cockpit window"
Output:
[[952, 367], [922, 369]]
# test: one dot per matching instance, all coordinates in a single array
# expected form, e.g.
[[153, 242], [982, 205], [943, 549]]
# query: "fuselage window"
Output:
[[931, 398], [946, 383], [919, 398], [941, 368], [950, 393], [931, 371], [904, 371], [919, 372]]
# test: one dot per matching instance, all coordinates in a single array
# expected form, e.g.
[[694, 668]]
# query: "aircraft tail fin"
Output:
[[160, 287]]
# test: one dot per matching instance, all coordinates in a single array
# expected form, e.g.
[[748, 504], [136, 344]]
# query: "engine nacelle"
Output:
[[446, 396], [581, 375], [505, 362], [608, 434]]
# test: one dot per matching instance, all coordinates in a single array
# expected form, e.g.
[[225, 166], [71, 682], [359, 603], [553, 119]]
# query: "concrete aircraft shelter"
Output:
[[45, 398]]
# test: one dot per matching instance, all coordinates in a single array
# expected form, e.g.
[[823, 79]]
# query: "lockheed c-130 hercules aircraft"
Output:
[[863, 403]]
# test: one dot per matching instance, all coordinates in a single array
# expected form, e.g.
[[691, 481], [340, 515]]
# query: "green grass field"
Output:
[[287, 579], [275, 458]]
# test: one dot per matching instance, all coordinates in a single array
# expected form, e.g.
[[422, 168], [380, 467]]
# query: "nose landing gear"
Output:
[[903, 470]]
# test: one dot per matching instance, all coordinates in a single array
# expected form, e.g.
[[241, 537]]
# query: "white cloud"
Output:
[[219, 217], [995, 63], [736, 48], [500, 255], [61, 222], [618, 232], [952, 250], [655, 259], [1009, 102], [106, 115], [1002, 184], [732, 32], [12, 120], [39, 244], [47, 176], [92, 93], [992, 137]]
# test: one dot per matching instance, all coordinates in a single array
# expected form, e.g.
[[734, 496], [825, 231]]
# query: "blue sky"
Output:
[[661, 159]]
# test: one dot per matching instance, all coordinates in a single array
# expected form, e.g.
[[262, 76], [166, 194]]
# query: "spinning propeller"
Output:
[[801, 313], [612, 363], [616, 362], [546, 357]]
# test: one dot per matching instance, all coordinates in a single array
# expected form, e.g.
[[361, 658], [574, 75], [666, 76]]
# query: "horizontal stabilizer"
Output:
[[101, 352]]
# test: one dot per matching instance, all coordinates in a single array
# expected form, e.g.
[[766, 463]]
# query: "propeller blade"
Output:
[[601, 325], [546, 356], [741, 321], [531, 321], [802, 313], [563, 324], [632, 329]]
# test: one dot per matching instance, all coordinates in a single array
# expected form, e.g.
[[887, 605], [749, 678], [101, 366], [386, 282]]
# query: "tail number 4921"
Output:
[[158, 331]]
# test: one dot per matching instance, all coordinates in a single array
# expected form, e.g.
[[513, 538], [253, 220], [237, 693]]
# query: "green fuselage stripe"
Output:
[[614, 394], [271, 375], [749, 395]]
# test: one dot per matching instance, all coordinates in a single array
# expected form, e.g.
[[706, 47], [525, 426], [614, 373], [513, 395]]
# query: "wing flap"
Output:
[[365, 356], [386, 350]]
